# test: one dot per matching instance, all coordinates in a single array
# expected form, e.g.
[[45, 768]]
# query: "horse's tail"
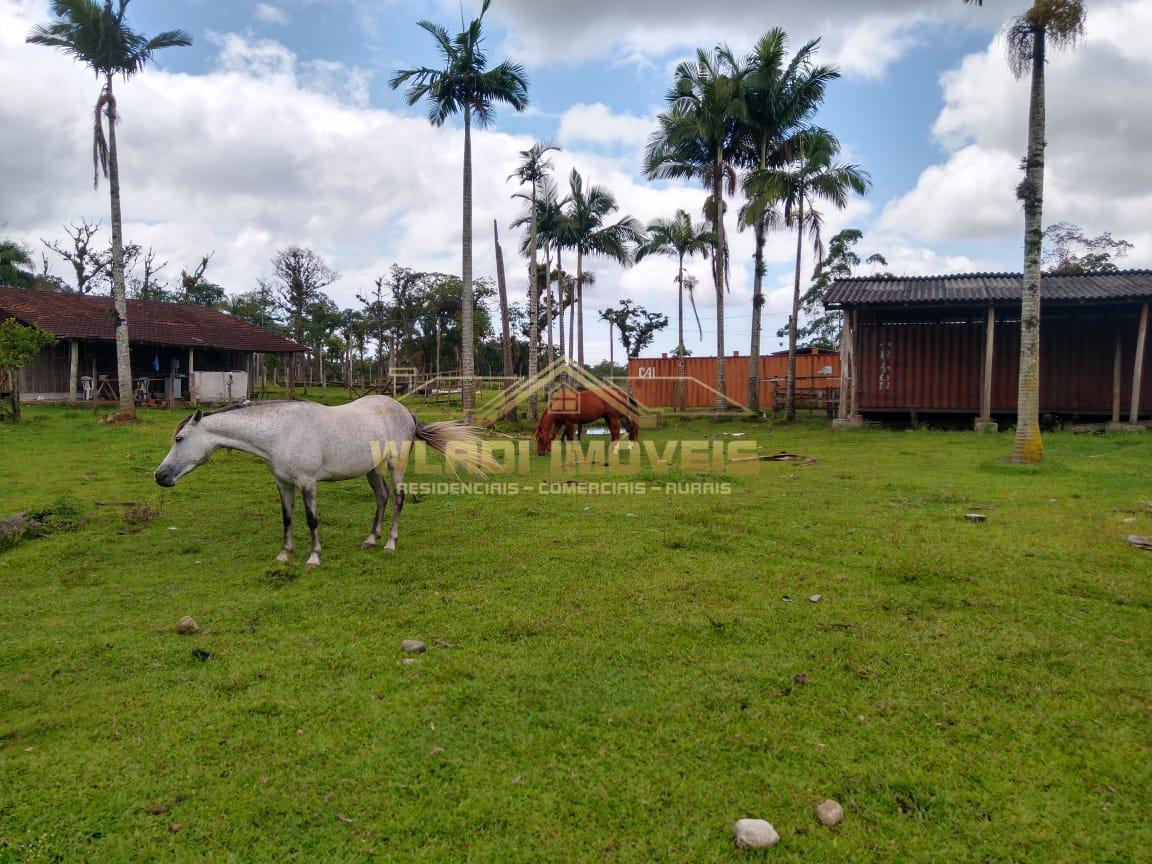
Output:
[[460, 444]]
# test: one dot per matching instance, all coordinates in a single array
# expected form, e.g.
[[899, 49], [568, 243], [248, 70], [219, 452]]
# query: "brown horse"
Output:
[[569, 407]]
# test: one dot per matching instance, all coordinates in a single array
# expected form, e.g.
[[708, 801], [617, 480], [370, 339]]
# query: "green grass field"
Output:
[[608, 678]]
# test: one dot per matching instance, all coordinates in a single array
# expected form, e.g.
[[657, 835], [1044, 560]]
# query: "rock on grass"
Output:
[[755, 834], [413, 646], [187, 625], [829, 813]]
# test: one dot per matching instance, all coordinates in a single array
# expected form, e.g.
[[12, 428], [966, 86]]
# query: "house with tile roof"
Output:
[[179, 351], [950, 345]]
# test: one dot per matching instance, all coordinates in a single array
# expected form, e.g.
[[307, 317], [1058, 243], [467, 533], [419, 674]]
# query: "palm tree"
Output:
[[1059, 23], [810, 178], [465, 84], [534, 168], [679, 238], [781, 99], [697, 139], [586, 232], [99, 37]]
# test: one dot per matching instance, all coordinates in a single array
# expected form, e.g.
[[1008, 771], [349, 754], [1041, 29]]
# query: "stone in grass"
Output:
[[975, 517], [413, 646], [830, 813], [754, 834], [187, 626]]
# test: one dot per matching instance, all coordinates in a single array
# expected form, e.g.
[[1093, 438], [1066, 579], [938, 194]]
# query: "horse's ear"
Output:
[[198, 416]]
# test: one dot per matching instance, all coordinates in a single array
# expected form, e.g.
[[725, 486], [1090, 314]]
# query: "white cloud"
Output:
[[1098, 170], [270, 14], [862, 38], [596, 123]]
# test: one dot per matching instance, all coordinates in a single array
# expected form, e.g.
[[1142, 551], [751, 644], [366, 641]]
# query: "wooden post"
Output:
[[987, 353], [855, 407], [73, 370], [172, 383], [1138, 364], [846, 361], [1117, 367], [191, 369]]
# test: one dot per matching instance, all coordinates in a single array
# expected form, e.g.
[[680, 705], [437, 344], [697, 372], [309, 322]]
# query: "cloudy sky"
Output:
[[277, 127]]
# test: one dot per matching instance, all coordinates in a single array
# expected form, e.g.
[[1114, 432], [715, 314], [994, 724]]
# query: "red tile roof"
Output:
[[75, 316]]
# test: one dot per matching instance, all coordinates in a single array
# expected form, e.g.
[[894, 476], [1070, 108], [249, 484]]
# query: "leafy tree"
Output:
[[19, 345], [586, 231], [14, 258], [680, 238], [822, 326], [1071, 252], [781, 97], [464, 84], [697, 138], [810, 178], [636, 325], [534, 170], [99, 37], [1059, 23], [548, 214], [299, 277]]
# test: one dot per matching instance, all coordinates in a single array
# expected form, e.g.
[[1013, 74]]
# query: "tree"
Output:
[[681, 239], [1059, 23], [19, 345], [299, 277], [637, 326], [548, 214], [697, 139], [465, 84], [810, 178], [533, 170], [90, 264], [14, 258], [781, 100], [586, 232], [194, 288], [822, 327], [1071, 251], [100, 37]]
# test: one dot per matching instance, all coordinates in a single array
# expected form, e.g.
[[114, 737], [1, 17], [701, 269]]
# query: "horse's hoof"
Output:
[[368, 544], [282, 557], [390, 547], [314, 561]]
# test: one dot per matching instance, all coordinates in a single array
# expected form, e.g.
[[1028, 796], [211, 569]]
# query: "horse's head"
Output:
[[192, 444], [545, 432]]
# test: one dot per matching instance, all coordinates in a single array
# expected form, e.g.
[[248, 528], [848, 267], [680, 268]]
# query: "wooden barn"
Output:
[[179, 351], [940, 345], [655, 380]]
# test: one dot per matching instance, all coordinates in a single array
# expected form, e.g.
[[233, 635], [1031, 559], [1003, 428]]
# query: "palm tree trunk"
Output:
[[681, 362], [467, 353], [560, 300], [1029, 447], [757, 308], [505, 337], [548, 299], [721, 270], [119, 294], [790, 387], [533, 312], [580, 306]]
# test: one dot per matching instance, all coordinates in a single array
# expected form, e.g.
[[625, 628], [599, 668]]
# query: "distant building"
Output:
[[951, 345], [179, 351]]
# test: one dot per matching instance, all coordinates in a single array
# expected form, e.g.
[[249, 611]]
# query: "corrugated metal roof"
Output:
[[986, 287], [75, 316]]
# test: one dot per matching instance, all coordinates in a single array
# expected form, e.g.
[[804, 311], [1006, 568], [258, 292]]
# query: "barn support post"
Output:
[[73, 370], [1117, 373], [1138, 365], [848, 415], [984, 422], [171, 385], [191, 370]]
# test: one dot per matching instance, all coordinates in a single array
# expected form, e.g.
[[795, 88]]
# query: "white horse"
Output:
[[305, 443]]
